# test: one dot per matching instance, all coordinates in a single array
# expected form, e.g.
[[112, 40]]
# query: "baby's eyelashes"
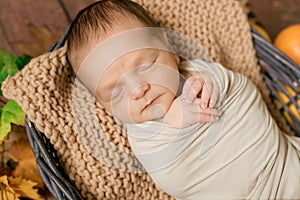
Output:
[[117, 91], [144, 67]]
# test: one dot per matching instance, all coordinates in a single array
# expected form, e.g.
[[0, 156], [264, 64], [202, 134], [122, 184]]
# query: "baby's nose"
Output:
[[140, 91]]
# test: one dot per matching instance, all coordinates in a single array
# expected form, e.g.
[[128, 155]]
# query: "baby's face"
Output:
[[140, 85], [132, 72]]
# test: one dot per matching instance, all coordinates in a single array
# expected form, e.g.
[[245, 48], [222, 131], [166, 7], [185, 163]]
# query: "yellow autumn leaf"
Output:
[[28, 169], [6, 191], [25, 188], [21, 150]]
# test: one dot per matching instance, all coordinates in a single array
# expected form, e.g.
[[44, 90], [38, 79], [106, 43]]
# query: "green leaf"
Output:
[[6, 56], [11, 113], [8, 65], [22, 60]]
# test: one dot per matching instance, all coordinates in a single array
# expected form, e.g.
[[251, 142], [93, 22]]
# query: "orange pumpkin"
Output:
[[262, 31], [288, 41]]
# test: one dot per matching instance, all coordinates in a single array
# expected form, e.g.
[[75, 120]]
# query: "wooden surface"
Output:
[[274, 15], [31, 26]]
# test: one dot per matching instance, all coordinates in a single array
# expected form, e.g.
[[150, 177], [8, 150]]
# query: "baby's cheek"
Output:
[[123, 111], [157, 111]]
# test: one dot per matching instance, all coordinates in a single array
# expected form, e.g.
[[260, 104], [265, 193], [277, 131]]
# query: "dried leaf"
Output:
[[24, 187], [5, 171], [6, 191], [21, 150], [27, 169]]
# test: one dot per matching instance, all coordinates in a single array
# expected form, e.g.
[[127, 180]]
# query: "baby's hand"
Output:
[[198, 102], [203, 87]]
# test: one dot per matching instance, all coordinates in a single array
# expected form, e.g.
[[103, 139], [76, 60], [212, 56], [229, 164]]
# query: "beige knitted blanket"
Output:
[[71, 118]]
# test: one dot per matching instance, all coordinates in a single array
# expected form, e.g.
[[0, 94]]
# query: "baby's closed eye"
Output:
[[117, 92], [145, 67]]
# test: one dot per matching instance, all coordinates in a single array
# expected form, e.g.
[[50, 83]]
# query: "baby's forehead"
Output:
[[115, 44], [114, 40]]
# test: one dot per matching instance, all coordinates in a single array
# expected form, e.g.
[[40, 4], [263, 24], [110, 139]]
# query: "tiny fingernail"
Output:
[[215, 118]]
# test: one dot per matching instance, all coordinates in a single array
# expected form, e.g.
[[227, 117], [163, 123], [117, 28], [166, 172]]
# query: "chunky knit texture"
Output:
[[102, 166]]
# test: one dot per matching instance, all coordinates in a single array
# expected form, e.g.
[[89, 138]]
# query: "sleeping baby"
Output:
[[200, 130]]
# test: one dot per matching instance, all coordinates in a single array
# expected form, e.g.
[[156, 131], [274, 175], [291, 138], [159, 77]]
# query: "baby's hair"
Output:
[[94, 21]]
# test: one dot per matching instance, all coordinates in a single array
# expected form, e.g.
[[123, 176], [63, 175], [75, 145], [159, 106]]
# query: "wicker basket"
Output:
[[52, 173], [282, 77], [279, 71]]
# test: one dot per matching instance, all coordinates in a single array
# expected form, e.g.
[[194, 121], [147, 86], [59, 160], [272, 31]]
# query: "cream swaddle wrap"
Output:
[[242, 156]]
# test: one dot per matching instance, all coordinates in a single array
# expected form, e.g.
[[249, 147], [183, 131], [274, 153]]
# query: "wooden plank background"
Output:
[[274, 15], [31, 26]]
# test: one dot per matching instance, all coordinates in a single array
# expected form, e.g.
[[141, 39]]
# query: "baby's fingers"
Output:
[[205, 110], [192, 88], [206, 94], [200, 117], [209, 115], [208, 111], [210, 93], [213, 102]]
